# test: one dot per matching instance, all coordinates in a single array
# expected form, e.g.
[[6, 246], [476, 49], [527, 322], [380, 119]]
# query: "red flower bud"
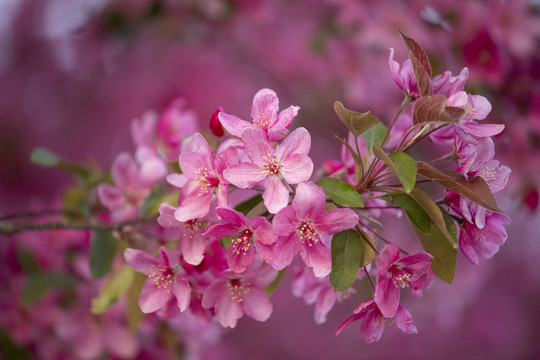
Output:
[[215, 125]]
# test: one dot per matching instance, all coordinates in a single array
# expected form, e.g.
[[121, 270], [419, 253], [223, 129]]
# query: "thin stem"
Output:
[[369, 278], [406, 102], [32, 214], [8, 228]]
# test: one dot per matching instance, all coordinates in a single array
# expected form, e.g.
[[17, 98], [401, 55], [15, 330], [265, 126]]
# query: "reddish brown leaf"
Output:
[[432, 108], [475, 189], [420, 64]]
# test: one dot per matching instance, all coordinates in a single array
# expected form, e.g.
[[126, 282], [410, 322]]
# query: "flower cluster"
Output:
[[234, 212]]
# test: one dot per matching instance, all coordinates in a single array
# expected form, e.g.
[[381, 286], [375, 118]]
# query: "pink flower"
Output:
[[394, 273], [164, 281], [288, 161], [265, 117], [191, 240], [236, 295], [204, 171], [240, 253], [126, 196], [299, 227], [174, 125], [403, 75], [373, 321]]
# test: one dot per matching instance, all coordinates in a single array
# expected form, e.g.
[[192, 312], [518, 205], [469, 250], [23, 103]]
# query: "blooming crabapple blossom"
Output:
[[403, 75], [235, 295], [192, 242], [477, 241], [394, 273], [300, 226], [264, 113], [476, 108], [126, 196], [484, 242], [164, 281], [204, 172], [174, 125], [374, 321], [316, 290], [288, 161], [257, 230]]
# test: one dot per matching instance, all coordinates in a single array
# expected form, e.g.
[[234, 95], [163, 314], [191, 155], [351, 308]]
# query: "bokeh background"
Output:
[[74, 74]]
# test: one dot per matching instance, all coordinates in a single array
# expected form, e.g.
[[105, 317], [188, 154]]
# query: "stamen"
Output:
[[162, 276], [242, 242], [238, 290], [262, 121], [272, 165], [206, 180], [488, 174], [308, 233]]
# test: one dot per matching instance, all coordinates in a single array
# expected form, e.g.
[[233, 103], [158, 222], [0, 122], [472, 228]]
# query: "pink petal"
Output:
[[257, 305], [213, 292], [335, 220], [296, 143], [345, 325], [142, 130], [325, 302], [388, 256], [386, 295], [404, 321], [297, 169], [201, 146], [317, 257], [191, 162], [192, 247], [265, 105], [265, 252], [480, 105], [141, 261], [286, 117], [285, 249], [124, 171], [153, 298], [226, 159], [276, 195], [234, 125], [369, 331], [182, 292], [285, 222], [238, 259], [308, 201], [263, 231], [166, 216], [483, 130], [195, 205], [257, 146], [110, 196], [244, 175], [177, 180], [232, 217], [466, 248], [228, 310]]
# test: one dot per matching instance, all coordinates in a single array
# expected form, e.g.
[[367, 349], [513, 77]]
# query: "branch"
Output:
[[9, 228]]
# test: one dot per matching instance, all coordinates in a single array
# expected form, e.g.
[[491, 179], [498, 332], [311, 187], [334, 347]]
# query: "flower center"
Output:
[[399, 277], [238, 290], [488, 174], [382, 321], [262, 121], [308, 233], [470, 110], [242, 243], [162, 276], [272, 165], [206, 180]]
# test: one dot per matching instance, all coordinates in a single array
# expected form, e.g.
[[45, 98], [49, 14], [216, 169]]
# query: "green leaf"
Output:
[[433, 211], [9, 349], [102, 251], [75, 203], [27, 261], [475, 189], [248, 205], [269, 290], [356, 122], [368, 254], [444, 254], [44, 157], [341, 192], [117, 284], [153, 203], [134, 315], [374, 136], [346, 256], [401, 164], [418, 217], [40, 282], [450, 225]]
